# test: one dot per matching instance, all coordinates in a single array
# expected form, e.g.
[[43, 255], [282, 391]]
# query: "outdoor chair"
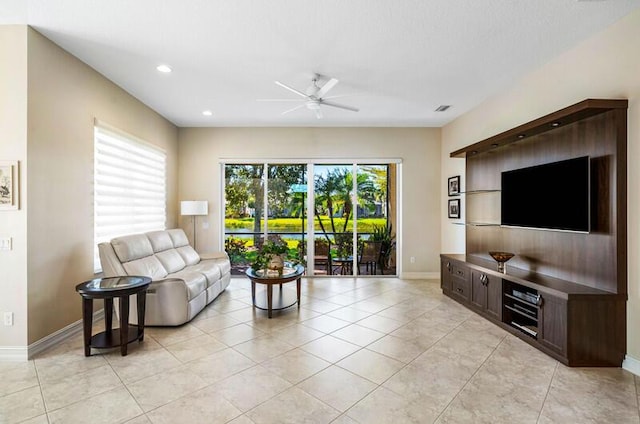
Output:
[[369, 256], [322, 255]]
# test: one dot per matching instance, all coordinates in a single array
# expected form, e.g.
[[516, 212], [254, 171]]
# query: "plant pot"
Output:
[[276, 263]]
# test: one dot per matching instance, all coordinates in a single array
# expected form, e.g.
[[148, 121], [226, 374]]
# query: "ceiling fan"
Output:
[[313, 97]]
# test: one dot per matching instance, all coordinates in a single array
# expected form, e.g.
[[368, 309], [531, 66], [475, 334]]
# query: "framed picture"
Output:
[[9, 185], [454, 185], [454, 208]]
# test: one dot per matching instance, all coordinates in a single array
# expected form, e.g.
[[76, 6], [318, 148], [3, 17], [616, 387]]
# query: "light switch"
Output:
[[5, 243]]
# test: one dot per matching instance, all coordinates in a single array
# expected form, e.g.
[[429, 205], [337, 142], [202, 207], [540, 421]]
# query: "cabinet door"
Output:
[[445, 275], [478, 296], [553, 323], [493, 286]]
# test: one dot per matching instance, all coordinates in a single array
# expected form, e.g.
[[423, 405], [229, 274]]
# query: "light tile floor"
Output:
[[374, 350]]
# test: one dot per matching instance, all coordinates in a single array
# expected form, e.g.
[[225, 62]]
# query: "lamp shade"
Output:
[[194, 207]]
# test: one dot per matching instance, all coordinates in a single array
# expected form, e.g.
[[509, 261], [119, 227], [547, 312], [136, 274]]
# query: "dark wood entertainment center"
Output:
[[564, 292]]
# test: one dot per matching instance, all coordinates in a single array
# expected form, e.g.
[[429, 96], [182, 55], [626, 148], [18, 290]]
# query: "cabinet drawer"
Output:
[[461, 288], [459, 272]]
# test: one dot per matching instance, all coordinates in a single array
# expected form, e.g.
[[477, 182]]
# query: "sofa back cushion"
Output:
[[130, 248], [149, 266], [171, 260], [181, 243], [160, 241]]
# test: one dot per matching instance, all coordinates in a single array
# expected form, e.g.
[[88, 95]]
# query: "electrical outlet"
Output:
[[412, 259], [8, 319]]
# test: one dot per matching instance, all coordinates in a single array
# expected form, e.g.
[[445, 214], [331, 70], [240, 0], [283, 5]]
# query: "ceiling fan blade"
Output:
[[338, 105], [279, 100], [292, 109], [326, 87], [318, 113], [293, 90]]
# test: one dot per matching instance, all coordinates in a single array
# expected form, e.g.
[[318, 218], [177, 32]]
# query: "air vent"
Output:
[[442, 108]]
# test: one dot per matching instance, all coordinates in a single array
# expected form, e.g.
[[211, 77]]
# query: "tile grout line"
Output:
[[546, 395], [472, 375], [46, 413]]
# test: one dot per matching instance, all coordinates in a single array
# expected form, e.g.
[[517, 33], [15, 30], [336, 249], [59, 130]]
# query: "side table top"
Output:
[[289, 272], [112, 284]]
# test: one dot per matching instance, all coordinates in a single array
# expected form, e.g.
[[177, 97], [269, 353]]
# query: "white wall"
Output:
[[201, 149], [605, 66], [13, 146]]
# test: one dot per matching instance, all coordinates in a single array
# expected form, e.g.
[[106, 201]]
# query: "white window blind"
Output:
[[129, 187]]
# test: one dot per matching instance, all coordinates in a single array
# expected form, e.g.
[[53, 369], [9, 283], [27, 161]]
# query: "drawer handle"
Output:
[[459, 290], [539, 300], [449, 266], [483, 279], [460, 273]]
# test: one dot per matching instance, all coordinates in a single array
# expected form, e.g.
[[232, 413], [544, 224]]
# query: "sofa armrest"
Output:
[[214, 255]]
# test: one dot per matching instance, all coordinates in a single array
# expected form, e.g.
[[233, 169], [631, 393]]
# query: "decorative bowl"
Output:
[[501, 258]]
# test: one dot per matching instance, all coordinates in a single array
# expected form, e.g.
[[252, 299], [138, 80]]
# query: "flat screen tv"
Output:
[[552, 196]]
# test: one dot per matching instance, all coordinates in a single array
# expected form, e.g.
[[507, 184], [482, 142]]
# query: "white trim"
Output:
[[317, 161], [13, 354], [61, 335], [631, 364], [420, 276]]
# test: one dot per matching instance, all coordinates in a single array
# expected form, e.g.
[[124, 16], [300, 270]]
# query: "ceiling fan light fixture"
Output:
[[165, 69]]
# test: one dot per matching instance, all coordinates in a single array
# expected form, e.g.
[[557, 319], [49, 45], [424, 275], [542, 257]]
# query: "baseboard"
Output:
[[631, 364], [420, 275], [13, 353]]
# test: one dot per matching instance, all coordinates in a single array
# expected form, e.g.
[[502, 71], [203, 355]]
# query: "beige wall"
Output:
[[13, 146], [605, 66], [64, 97], [201, 150]]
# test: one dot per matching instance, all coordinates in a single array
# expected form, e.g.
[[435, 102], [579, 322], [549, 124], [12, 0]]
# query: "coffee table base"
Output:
[[282, 299], [111, 339]]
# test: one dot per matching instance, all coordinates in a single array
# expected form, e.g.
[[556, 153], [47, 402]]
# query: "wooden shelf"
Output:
[[568, 115]]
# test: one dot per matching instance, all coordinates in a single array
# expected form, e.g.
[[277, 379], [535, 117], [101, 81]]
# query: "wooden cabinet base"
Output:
[[578, 326]]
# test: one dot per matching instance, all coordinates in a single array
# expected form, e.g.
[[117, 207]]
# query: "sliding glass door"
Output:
[[334, 211]]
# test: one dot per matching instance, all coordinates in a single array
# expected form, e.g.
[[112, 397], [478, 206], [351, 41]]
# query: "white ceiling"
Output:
[[399, 58]]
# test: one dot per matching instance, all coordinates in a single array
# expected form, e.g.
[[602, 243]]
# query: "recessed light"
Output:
[[494, 145], [521, 136], [555, 124], [207, 113], [165, 69]]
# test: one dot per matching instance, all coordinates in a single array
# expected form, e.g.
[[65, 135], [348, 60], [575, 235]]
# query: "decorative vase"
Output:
[[276, 263], [502, 258]]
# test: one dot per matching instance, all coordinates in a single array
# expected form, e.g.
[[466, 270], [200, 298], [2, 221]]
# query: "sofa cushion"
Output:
[[196, 283], [178, 237], [129, 248], [171, 260], [209, 269], [189, 255], [160, 241], [147, 267]]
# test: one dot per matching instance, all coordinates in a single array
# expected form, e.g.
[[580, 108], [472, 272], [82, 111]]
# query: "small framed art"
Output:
[[454, 185], [454, 208], [9, 195]]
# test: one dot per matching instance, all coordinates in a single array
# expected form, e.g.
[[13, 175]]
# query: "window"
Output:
[[129, 187]]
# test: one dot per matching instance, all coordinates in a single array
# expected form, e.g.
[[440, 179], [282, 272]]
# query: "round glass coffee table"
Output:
[[108, 289], [283, 299]]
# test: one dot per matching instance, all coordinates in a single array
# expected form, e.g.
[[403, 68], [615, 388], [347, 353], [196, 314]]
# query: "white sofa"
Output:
[[183, 282]]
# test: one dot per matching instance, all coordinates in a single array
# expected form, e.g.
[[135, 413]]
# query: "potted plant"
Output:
[[271, 256], [384, 234]]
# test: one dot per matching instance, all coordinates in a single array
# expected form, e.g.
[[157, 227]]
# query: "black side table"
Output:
[[108, 289]]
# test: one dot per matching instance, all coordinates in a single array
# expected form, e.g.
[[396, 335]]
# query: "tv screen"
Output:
[[553, 196]]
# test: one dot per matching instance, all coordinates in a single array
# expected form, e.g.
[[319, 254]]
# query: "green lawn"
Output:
[[365, 225]]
